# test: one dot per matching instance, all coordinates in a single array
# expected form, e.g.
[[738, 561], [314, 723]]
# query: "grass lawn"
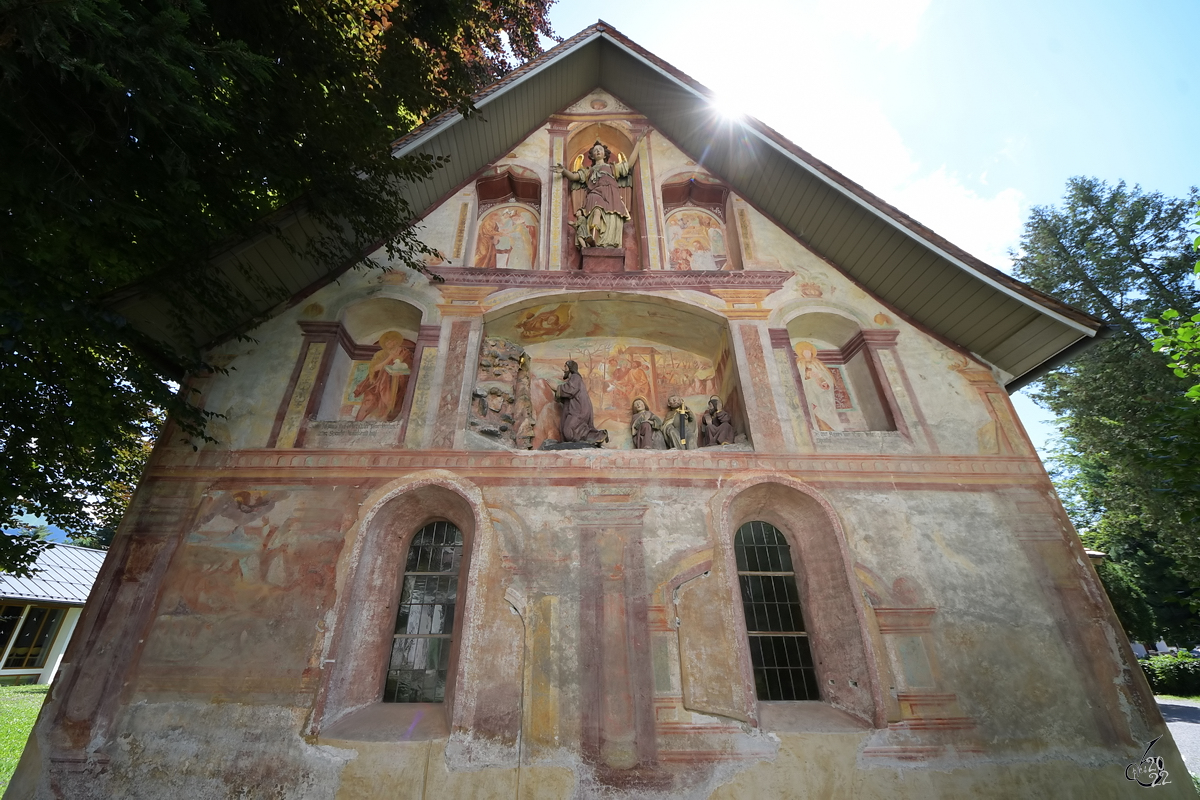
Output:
[[1195, 697], [19, 707]]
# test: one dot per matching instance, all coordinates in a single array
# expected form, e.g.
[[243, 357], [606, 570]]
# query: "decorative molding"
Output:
[[463, 301], [646, 280], [913, 471], [904, 620], [707, 194]]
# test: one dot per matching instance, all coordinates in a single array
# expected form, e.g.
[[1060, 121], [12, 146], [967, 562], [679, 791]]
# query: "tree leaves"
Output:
[[1125, 466], [137, 137]]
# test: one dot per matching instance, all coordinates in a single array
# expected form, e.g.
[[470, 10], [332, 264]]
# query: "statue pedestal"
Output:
[[603, 259]]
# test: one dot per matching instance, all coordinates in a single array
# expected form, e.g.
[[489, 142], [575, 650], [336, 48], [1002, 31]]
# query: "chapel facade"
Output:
[[694, 475]]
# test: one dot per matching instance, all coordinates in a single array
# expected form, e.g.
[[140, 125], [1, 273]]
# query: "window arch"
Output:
[[835, 621], [425, 621], [354, 699], [779, 649]]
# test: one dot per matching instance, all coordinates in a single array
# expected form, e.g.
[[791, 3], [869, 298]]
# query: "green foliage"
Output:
[[1173, 673], [19, 708], [138, 137], [19, 549], [1179, 340], [1127, 426]]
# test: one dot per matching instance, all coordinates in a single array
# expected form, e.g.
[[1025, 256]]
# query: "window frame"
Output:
[[811, 686], [456, 620]]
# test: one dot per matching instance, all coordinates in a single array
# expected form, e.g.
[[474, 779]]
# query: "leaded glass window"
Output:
[[779, 651], [424, 631]]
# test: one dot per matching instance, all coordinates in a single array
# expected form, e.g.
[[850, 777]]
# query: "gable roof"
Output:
[[935, 283], [65, 574]]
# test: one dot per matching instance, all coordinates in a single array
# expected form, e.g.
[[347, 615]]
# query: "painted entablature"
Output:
[[794, 542]]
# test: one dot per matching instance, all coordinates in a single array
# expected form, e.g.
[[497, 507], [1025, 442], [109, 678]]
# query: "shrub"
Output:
[[1177, 673]]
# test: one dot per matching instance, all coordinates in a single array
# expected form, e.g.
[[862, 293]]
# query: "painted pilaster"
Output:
[[552, 215], [462, 331]]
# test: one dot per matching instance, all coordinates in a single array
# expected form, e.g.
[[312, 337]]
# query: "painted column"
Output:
[[417, 404], [618, 724], [303, 394], [552, 215], [759, 381], [458, 350]]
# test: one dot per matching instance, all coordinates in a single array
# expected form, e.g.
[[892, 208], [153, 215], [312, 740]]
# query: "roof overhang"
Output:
[[932, 282]]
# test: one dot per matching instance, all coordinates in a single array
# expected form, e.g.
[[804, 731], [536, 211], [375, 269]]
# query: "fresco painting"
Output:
[[625, 348], [696, 241], [257, 549], [507, 239], [375, 389], [617, 371], [826, 392], [544, 322]]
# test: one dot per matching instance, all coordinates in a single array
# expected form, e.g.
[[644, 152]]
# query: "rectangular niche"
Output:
[[836, 376]]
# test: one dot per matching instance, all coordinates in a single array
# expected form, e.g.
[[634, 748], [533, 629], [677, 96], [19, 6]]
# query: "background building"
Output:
[[38, 614]]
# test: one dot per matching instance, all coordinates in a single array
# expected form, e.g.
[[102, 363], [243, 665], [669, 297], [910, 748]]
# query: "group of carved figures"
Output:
[[503, 409], [675, 431]]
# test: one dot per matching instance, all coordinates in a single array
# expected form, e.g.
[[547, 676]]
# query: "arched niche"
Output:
[[370, 572], [699, 235], [575, 154], [508, 219], [367, 319], [581, 139], [836, 621], [837, 373], [507, 237], [626, 346], [371, 332]]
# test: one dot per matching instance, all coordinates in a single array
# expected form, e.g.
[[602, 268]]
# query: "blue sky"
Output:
[[963, 114]]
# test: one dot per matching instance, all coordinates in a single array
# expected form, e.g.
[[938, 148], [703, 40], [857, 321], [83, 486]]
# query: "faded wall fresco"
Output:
[[376, 388], [507, 239], [696, 240]]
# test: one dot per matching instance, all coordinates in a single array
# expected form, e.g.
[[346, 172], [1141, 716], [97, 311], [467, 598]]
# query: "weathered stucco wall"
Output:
[[238, 637]]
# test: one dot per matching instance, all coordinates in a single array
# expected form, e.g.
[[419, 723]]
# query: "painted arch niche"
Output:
[[836, 375], [509, 219], [627, 347], [697, 236], [370, 376]]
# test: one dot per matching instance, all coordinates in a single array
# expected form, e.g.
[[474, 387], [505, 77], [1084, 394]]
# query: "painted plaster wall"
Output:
[[237, 644]]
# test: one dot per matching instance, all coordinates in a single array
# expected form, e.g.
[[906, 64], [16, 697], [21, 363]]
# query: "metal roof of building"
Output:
[[923, 276], [65, 574]]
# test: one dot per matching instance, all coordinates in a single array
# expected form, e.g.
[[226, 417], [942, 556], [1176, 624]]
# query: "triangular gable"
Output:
[[936, 284]]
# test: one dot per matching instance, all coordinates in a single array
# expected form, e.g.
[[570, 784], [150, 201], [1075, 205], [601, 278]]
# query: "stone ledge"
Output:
[[808, 716], [389, 722]]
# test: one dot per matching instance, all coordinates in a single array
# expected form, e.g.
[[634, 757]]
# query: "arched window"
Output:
[[420, 659], [779, 650]]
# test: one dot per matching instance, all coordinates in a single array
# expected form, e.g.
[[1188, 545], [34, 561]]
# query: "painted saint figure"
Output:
[[679, 425], [382, 391], [578, 424], [596, 192], [716, 426], [507, 238], [646, 428]]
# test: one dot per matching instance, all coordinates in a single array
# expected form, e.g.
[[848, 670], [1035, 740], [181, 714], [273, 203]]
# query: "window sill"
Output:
[[391, 722], [809, 716]]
